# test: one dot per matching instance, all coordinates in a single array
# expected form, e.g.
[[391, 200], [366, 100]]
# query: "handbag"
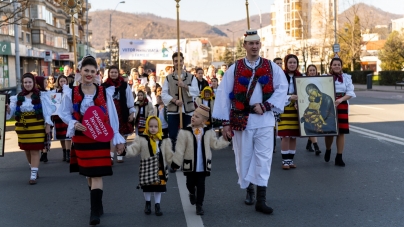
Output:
[[148, 171]]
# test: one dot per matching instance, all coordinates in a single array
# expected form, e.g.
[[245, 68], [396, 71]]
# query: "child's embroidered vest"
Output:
[[241, 95]]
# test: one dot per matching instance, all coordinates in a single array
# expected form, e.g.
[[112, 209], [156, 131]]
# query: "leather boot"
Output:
[[147, 208], [199, 210], [44, 157], [327, 155], [101, 207], [308, 146], [316, 149], [95, 203], [261, 205], [157, 209], [64, 155], [68, 156], [339, 161], [250, 197]]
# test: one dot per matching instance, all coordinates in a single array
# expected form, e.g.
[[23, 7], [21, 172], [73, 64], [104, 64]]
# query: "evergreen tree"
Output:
[[227, 57], [392, 54], [351, 42], [240, 51]]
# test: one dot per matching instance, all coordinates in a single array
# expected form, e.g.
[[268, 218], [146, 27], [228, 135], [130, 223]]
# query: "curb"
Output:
[[10, 128], [363, 89]]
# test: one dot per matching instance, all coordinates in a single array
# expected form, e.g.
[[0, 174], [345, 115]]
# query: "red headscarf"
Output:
[[114, 82]]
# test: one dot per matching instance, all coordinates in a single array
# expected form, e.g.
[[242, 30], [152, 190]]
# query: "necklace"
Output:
[[89, 84]]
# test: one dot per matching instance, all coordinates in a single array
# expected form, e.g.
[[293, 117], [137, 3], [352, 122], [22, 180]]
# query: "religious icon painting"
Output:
[[316, 109], [3, 102]]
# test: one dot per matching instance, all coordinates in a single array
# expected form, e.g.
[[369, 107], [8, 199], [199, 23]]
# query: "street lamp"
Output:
[[110, 22]]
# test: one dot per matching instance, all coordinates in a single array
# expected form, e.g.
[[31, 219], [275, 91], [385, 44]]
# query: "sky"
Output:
[[216, 12]]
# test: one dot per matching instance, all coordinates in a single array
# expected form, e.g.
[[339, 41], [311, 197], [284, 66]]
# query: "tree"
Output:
[[240, 51], [392, 54], [8, 15], [227, 57], [351, 43]]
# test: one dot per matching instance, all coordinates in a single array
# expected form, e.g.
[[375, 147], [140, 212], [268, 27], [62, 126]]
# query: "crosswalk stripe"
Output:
[[377, 135]]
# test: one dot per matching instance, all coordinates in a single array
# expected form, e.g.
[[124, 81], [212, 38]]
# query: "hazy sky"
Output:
[[216, 12]]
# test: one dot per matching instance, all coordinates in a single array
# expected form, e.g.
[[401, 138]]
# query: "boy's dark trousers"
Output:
[[197, 179]]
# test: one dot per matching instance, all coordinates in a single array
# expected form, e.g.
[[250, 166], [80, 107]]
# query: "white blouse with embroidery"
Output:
[[66, 110], [27, 106], [346, 86]]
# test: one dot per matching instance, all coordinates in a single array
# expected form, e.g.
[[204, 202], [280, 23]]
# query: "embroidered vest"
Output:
[[241, 95], [100, 100], [187, 100]]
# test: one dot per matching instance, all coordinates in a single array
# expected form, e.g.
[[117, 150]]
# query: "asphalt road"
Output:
[[367, 192]]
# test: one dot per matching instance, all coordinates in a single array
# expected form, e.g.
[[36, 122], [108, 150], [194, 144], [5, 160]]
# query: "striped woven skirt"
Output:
[[60, 128], [89, 157], [289, 124], [31, 132], [342, 115]]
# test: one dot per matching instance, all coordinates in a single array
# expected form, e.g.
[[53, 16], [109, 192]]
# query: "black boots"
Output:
[[157, 210], [308, 146], [317, 149], [339, 161], [261, 206], [64, 155], [68, 155], [192, 199], [199, 210], [96, 206], [147, 208], [327, 155], [250, 197], [44, 157]]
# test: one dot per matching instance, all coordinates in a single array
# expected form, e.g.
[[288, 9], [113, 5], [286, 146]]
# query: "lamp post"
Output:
[[110, 23], [72, 7]]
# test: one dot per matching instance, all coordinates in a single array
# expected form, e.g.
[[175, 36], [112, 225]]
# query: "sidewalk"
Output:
[[384, 88]]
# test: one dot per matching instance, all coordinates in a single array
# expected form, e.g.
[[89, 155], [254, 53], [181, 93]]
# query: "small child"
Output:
[[149, 145], [144, 109], [160, 110], [207, 98], [196, 164]]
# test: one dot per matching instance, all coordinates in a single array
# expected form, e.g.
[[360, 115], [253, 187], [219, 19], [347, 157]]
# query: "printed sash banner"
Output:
[[149, 49], [56, 99], [3, 102], [97, 126]]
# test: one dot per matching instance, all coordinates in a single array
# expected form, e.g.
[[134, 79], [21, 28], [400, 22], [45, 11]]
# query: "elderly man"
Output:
[[250, 91]]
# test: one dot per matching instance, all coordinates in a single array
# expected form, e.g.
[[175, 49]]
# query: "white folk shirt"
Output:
[[199, 156], [222, 106], [164, 123], [346, 86]]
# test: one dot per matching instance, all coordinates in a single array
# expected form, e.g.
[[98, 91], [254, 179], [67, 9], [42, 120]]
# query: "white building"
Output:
[[397, 25]]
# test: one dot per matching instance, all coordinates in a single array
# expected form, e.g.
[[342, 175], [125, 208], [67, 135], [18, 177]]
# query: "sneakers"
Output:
[[288, 164], [291, 164]]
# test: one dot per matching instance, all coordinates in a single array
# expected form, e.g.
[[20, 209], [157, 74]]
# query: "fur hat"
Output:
[[203, 110], [251, 35]]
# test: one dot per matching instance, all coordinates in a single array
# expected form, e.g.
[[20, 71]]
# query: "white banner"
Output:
[[149, 49]]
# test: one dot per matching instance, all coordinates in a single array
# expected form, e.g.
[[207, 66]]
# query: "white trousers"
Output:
[[253, 150]]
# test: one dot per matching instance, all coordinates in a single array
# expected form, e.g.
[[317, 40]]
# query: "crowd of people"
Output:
[[178, 117]]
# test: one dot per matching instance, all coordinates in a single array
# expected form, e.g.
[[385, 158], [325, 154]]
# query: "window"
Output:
[[27, 37], [37, 36]]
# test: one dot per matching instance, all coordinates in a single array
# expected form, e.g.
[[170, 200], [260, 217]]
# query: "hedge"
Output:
[[359, 77], [390, 77]]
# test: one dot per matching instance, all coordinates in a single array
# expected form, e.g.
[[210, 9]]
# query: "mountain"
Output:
[[369, 16]]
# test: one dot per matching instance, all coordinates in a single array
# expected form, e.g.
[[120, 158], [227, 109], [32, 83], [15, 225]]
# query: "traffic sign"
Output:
[[336, 48]]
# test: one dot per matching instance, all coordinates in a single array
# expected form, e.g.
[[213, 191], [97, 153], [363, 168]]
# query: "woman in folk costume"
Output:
[[32, 115], [207, 98], [89, 157], [344, 90], [151, 145], [60, 126], [288, 127], [124, 104], [144, 109]]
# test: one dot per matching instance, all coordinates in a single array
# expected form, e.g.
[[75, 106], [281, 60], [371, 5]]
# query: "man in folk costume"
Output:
[[251, 91]]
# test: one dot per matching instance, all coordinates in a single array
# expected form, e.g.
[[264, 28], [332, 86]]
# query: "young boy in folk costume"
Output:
[[160, 110], [144, 109], [196, 164], [206, 98], [152, 146]]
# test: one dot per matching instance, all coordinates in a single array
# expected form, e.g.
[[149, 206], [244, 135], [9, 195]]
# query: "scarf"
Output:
[[338, 76], [153, 137], [116, 82]]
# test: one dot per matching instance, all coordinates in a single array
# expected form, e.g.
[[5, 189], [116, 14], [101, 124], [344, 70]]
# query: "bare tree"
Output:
[[9, 15]]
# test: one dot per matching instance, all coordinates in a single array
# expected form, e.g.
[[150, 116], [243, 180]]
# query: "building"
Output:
[[45, 41], [397, 24]]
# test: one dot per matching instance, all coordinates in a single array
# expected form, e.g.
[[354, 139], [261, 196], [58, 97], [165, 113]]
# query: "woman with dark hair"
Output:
[[124, 104], [288, 127], [51, 83], [344, 90], [312, 71], [89, 157], [60, 126], [32, 121]]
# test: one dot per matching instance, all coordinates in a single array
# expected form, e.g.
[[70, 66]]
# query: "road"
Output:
[[367, 192]]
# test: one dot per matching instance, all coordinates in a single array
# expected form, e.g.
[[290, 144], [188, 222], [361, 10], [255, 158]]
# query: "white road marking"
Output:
[[192, 219], [370, 107], [377, 135]]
